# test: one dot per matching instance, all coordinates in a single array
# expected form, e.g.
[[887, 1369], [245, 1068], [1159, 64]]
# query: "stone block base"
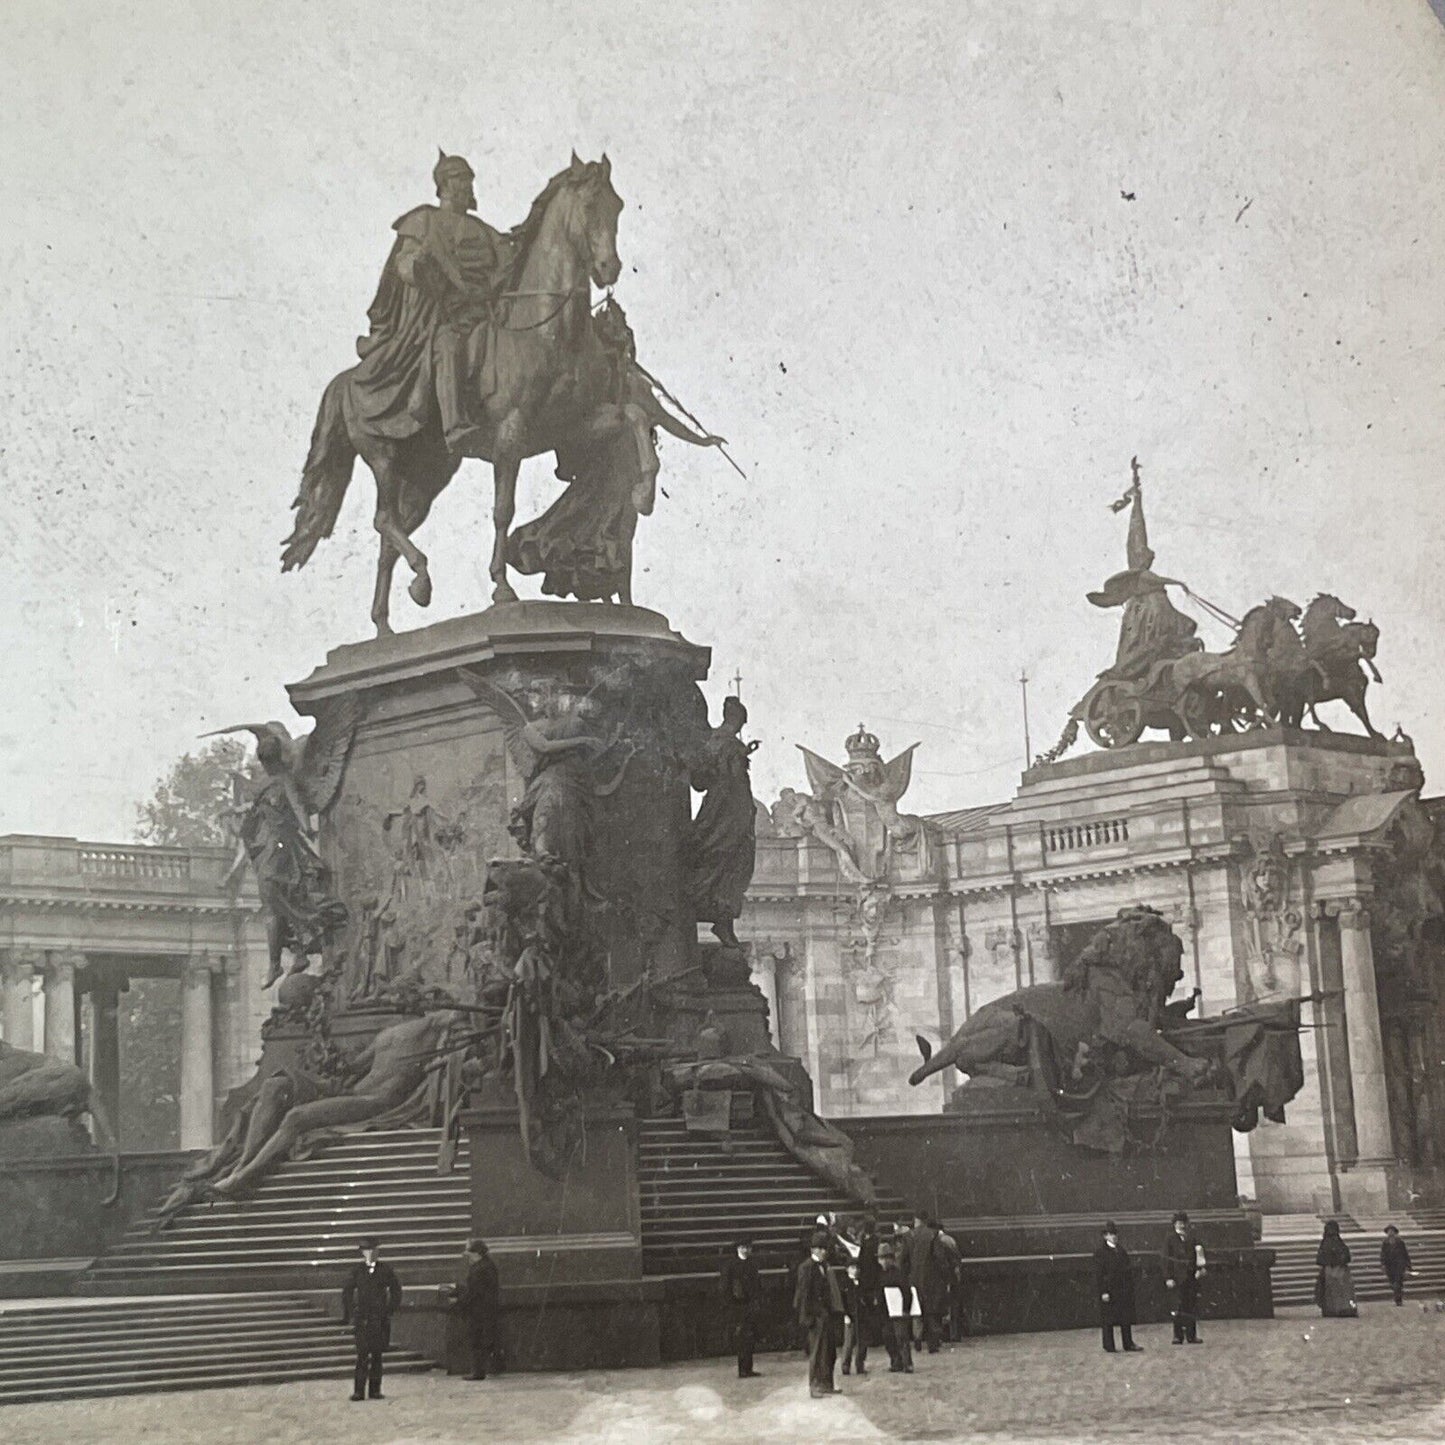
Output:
[[584, 1225]]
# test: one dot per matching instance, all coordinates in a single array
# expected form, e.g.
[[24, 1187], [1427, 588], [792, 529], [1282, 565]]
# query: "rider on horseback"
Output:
[[439, 284]]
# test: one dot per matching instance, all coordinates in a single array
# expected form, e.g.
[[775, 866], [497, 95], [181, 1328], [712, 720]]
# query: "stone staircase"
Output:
[[699, 1195], [227, 1294], [1294, 1272], [77, 1349], [299, 1229]]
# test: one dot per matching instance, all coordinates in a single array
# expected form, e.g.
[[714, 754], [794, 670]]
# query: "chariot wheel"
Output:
[[1244, 716], [1114, 718], [1196, 709]]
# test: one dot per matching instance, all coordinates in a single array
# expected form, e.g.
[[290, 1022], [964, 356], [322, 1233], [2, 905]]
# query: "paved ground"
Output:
[[1297, 1378]]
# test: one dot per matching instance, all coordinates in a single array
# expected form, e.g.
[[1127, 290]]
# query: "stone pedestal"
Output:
[[430, 784], [583, 1225]]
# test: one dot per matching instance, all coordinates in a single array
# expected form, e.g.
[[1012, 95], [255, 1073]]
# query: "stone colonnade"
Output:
[[210, 996]]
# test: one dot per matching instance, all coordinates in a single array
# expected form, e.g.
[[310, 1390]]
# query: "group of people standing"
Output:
[[855, 1287], [1185, 1266], [372, 1294], [1335, 1285]]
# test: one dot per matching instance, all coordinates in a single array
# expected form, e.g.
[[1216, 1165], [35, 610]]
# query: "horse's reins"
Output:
[[550, 316]]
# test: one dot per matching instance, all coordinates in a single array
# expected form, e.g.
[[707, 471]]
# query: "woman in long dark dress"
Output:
[[1335, 1287], [724, 831]]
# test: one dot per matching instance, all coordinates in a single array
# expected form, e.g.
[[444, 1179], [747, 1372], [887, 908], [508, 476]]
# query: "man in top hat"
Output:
[[741, 1284], [818, 1303], [369, 1298], [439, 283], [1114, 1275], [1184, 1267], [479, 1298], [1153, 629]]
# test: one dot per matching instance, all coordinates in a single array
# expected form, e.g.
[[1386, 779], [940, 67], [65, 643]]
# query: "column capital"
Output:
[[64, 964], [1349, 913], [19, 965], [198, 966]]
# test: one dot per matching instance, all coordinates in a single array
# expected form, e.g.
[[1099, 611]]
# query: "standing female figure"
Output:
[[1335, 1287], [723, 833]]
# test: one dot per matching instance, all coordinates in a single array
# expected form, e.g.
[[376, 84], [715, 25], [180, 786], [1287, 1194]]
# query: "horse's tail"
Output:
[[930, 1065], [324, 478]]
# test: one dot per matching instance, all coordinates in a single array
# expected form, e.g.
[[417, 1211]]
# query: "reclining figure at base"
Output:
[[387, 1083]]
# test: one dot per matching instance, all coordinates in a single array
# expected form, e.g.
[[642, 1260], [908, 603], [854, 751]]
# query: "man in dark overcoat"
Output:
[[930, 1271], [1114, 1279], [870, 1282], [1183, 1269], [818, 1304], [479, 1299], [741, 1284], [1395, 1261], [369, 1298]]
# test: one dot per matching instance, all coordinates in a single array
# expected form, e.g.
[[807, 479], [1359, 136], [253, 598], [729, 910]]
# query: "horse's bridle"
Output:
[[552, 315]]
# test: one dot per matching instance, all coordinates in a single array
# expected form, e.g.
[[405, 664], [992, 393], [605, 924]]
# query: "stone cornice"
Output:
[[49, 903]]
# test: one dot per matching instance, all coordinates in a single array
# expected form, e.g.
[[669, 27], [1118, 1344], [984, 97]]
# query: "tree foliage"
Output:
[[189, 806]]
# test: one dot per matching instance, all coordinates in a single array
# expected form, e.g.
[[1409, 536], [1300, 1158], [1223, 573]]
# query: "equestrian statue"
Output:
[[485, 344]]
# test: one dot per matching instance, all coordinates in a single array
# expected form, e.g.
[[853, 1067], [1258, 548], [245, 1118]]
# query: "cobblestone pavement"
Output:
[[1296, 1378]]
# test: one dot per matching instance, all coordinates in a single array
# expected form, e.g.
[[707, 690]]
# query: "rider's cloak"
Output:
[[393, 387]]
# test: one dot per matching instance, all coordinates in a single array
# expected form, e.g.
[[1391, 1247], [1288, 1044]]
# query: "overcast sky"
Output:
[[885, 249]]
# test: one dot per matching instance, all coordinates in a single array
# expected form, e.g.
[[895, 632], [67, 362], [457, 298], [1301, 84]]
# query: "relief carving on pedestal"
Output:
[[1273, 920]]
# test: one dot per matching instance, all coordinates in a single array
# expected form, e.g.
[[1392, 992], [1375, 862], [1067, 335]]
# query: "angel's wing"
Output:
[[509, 712], [324, 753], [826, 779], [257, 731], [897, 775]]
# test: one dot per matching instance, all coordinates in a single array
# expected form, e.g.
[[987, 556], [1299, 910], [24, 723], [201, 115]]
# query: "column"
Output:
[[198, 1095], [1362, 1028], [229, 1052], [18, 972], [105, 992], [765, 975], [60, 973]]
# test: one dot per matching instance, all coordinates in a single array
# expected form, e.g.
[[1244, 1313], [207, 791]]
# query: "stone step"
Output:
[[84, 1309], [795, 1206], [99, 1347], [129, 1384], [356, 1214], [322, 1234]]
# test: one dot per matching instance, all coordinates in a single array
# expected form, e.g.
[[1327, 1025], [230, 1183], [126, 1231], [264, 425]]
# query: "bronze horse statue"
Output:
[[1236, 688], [540, 382], [1335, 654]]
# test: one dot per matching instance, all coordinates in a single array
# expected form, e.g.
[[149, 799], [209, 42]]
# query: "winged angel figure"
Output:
[[879, 785], [278, 833], [556, 753]]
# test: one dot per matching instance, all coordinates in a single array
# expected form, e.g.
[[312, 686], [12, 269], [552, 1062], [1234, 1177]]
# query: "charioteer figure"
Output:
[[1153, 629]]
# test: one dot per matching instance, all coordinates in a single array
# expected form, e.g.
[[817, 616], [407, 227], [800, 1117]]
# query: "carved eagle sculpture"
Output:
[[829, 781]]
